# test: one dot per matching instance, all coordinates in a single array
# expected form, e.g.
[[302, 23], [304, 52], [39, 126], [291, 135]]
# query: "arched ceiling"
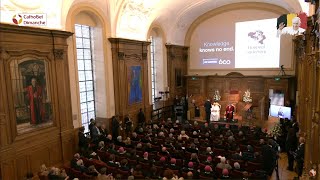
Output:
[[175, 16], [132, 19]]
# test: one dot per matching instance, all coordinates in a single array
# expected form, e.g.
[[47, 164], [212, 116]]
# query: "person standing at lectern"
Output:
[[207, 106]]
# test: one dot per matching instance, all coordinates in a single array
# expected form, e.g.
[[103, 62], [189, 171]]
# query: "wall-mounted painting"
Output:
[[30, 86], [178, 76], [134, 84]]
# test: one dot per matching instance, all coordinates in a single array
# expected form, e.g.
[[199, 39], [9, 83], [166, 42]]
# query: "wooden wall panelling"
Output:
[[126, 54], [21, 151], [5, 132], [39, 156], [8, 170], [22, 166], [177, 59]]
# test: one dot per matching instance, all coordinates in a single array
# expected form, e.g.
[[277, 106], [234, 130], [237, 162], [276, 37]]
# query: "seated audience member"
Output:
[[183, 136], [153, 174], [109, 139], [162, 162], [92, 171], [80, 166], [216, 130], [149, 148], [145, 158], [195, 134], [192, 148], [168, 174], [171, 139], [83, 141], [219, 144], [139, 147], [163, 152], [257, 158], [236, 156], [173, 165], [74, 160], [208, 161], [207, 172], [103, 175], [189, 175], [196, 142], [236, 166], [63, 174], [121, 151], [161, 135], [101, 146], [111, 149], [137, 172], [119, 141], [205, 128], [135, 137], [196, 126], [194, 158], [128, 143], [248, 155], [43, 170], [124, 165], [112, 161], [92, 155], [54, 174], [132, 154], [190, 167], [225, 174], [223, 164], [209, 151], [229, 133], [103, 131]]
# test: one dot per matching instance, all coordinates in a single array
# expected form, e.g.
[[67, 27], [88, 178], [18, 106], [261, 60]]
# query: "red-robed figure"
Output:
[[229, 112], [34, 97]]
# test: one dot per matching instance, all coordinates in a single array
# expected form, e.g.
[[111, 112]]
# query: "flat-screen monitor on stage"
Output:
[[280, 111]]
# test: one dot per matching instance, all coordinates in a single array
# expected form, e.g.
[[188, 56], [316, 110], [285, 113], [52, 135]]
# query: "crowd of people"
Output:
[[172, 150]]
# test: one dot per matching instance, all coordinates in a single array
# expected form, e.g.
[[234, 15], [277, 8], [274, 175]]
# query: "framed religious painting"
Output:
[[134, 84], [31, 94], [178, 77]]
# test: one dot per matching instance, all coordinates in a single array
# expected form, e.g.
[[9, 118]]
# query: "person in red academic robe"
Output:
[[34, 98], [229, 112]]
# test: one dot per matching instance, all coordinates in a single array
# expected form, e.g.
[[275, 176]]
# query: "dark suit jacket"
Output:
[[207, 106], [300, 153], [269, 157], [291, 140], [83, 141]]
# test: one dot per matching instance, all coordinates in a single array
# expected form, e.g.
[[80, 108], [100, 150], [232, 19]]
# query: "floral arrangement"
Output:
[[276, 131]]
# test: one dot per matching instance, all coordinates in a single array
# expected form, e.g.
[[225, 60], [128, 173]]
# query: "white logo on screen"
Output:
[[224, 61]]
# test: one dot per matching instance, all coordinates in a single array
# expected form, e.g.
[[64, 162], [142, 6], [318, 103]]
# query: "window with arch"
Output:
[[85, 73], [157, 64], [91, 64]]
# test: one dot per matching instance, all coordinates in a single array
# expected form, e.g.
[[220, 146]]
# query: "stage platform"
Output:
[[222, 120]]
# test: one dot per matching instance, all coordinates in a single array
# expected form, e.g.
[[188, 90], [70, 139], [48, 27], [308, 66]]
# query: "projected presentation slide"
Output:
[[257, 44], [280, 111]]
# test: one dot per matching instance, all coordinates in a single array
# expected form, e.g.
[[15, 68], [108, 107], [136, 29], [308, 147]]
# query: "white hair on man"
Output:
[[223, 160], [119, 138], [208, 149], [296, 20]]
